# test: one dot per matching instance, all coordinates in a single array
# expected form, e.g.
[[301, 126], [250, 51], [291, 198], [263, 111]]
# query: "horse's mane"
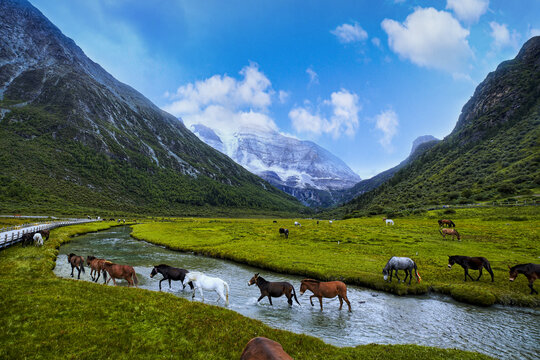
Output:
[[162, 265], [311, 280]]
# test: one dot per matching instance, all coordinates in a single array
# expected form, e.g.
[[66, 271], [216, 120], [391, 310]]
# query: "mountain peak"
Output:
[[421, 140]]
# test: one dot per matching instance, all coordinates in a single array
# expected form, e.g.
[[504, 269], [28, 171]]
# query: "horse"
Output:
[[27, 239], [531, 271], [45, 233], [329, 289], [296, 223], [117, 271], [96, 267], [284, 232], [448, 223], [170, 273], [275, 221], [202, 281], [474, 263], [261, 348], [453, 232], [273, 289], [38, 239], [76, 262], [330, 222], [401, 263], [388, 221]]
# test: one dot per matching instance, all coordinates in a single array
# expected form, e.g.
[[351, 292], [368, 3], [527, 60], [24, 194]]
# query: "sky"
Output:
[[361, 78]]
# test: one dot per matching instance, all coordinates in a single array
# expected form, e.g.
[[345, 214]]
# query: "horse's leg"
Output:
[[72, 267], [320, 301], [531, 286], [311, 299], [406, 275], [202, 295], [467, 274], [169, 283], [270, 299], [340, 301], [348, 302], [260, 297], [479, 274], [79, 270], [160, 283], [410, 276], [398, 279]]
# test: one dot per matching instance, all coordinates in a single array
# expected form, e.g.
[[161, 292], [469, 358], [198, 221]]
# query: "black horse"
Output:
[[284, 232], [170, 273], [474, 263], [27, 239], [531, 271], [273, 289]]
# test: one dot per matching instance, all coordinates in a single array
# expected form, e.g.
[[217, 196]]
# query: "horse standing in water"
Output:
[[201, 281], [273, 289], [76, 262], [284, 232], [531, 271], [329, 289], [474, 263], [117, 271], [170, 273], [96, 267], [261, 348], [401, 263], [448, 223], [452, 232]]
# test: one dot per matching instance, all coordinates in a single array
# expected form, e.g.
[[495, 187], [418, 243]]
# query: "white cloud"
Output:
[[226, 104], [534, 32], [387, 122], [313, 76], [283, 96], [376, 41], [348, 33], [468, 10], [430, 38], [502, 37], [341, 116]]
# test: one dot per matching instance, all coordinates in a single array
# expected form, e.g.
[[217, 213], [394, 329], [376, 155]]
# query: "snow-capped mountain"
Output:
[[300, 168]]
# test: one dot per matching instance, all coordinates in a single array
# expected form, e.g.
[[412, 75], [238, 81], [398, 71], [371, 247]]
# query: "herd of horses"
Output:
[[35, 238]]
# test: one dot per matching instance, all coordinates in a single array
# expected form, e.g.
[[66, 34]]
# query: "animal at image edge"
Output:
[[388, 221], [201, 281], [448, 223], [285, 232], [401, 263], [452, 232], [96, 268], [261, 348], [474, 263], [531, 271], [170, 273], [273, 289], [329, 289], [117, 271], [76, 262]]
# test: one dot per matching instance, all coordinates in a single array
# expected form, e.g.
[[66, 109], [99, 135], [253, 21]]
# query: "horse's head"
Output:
[[89, 259], [451, 261], [385, 273], [513, 273], [383, 219], [253, 279], [154, 272]]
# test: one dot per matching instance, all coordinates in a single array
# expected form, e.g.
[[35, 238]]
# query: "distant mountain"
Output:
[[75, 137], [300, 168], [493, 152]]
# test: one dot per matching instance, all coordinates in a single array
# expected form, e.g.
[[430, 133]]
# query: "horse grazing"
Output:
[[170, 273], [448, 223], [45, 233], [531, 271], [96, 267], [76, 262], [261, 348], [388, 221], [27, 239], [202, 281], [38, 239], [273, 289], [474, 263], [401, 263], [284, 232], [452, 232], [329, 289], [117, 271], [296, 223]]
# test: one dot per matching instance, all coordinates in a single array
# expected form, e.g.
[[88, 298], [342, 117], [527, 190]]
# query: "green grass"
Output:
[[504, 236], [45, 317]]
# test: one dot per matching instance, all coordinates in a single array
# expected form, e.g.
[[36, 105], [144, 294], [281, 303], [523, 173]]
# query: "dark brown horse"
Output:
[[27, 239], [170, 273], [96, 267], [117, 271], [474, 263], [452, 232], [76, 262], [285, 232], [273, 289], [261, 348], [45, 234], [531, 271], [448, 223], [329, 289]]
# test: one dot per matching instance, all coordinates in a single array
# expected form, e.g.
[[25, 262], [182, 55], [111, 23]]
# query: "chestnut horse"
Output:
[[76, 262], [96, 267], [448, 223], [120, 272], [273, 289], [452, 232], [531, 271], [261, 348], [329, 289]]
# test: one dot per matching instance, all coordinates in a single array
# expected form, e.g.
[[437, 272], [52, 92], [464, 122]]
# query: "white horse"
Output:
[[296, 223], [38, 239], [201, 281], [388, 221]]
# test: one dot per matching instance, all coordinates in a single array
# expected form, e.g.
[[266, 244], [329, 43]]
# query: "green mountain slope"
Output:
[[493, 152], [73, 137]]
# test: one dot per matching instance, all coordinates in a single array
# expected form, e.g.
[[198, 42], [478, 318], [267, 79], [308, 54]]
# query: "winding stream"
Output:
[[377, 317]]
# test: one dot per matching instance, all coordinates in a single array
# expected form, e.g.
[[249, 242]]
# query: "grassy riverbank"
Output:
[[505, 236], [43, 316]]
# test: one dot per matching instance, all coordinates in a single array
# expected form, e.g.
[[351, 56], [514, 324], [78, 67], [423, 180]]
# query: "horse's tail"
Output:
[[227, 293], [294, 294], [418, 277], [135, 280]]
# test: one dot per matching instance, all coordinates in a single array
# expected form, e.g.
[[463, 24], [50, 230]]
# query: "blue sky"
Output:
[[361, 78]]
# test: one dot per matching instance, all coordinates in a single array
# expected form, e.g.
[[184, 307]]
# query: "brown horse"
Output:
[[329, 289], [117, 271], [96, 267], [45, 234], [452, 232], [261, 348], [273, 289], [76, 262], [531, 271], [448, 223], [474, 263]]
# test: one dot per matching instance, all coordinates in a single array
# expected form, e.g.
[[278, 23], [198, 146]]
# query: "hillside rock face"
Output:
[[45, 74], [300, 168]]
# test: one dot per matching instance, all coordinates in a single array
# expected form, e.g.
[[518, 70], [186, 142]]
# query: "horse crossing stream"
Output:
[[377, 317]]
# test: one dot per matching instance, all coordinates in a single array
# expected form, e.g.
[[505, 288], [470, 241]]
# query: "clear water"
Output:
[[502, 332]]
